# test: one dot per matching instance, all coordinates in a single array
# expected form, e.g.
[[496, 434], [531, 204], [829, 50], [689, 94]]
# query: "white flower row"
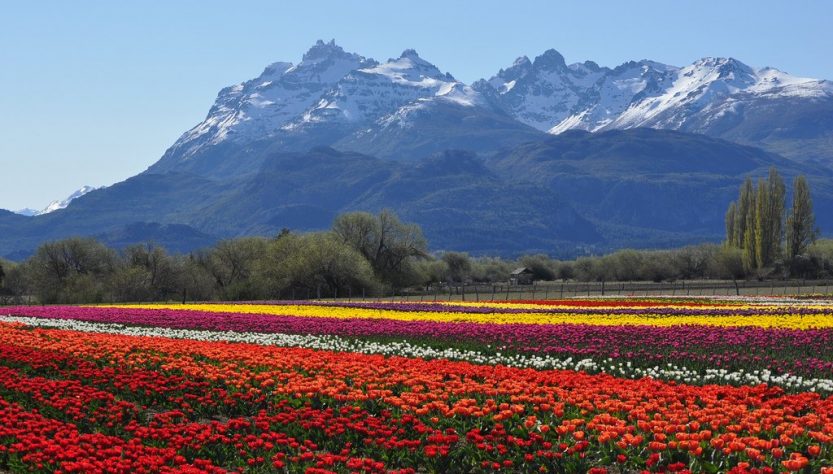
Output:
[[406, 349]]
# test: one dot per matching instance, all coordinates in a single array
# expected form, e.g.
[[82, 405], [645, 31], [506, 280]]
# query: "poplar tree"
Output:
[[731, 215], [755, 223], [801, 223], [745, 206], [777, 202], [761, 227], [748, 242]]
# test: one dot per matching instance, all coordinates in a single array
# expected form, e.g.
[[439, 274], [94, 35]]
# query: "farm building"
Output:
[[521, 276]]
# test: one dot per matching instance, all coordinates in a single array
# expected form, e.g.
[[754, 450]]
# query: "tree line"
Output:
[[368, 255], [767, 236]]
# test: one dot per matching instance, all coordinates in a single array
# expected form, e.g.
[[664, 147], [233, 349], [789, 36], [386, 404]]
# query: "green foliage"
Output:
[[319, 264], [232, 264], [801, 223], [388, 244], [755, 222], [490, 269], [145, 273], [589, 269], [195, 282], [72, 271], [543, 268], [459, 266], [728, 263]]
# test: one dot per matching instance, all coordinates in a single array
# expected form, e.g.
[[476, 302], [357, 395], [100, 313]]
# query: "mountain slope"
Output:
[[560, 194], [665, 181]]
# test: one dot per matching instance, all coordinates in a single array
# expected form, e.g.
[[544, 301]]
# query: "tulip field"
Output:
[[734, 385]]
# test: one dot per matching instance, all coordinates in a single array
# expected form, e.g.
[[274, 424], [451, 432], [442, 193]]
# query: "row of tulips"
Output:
[[178, 405], [806, 353], [414, 349], [781, 316]]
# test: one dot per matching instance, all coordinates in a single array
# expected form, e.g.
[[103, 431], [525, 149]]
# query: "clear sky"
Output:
[[93, 92]]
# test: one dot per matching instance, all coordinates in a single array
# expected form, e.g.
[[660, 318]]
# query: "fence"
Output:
[[559, 290], [572, 289]]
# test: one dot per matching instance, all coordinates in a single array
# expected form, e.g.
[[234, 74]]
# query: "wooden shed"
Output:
[[521, 276]]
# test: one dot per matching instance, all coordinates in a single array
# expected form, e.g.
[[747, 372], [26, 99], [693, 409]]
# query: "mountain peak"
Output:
[[722, 65], [411, 59], [550, 59], [409, 53], [322, 50]]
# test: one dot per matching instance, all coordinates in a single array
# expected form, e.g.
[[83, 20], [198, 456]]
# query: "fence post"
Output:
[[494, 289], [507, 292], [561, 295], [533, 289]]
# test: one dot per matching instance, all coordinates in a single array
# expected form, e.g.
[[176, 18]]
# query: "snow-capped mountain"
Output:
[[347, 101], [56, 205], [27, 211], [715, 96], [331, 96], [376, 93], [260, 107], [550, 95]]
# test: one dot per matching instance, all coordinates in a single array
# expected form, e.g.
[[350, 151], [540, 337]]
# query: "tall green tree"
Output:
[[755, 222], [730, 219], [762, 227], [745, 205], [777, 202], [748, 246], [801, 223]]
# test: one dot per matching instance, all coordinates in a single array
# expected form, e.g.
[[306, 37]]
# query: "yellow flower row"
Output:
[[785, 320]]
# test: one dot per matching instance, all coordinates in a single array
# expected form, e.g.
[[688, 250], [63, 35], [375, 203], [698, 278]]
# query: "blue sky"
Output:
[[93, 92]]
